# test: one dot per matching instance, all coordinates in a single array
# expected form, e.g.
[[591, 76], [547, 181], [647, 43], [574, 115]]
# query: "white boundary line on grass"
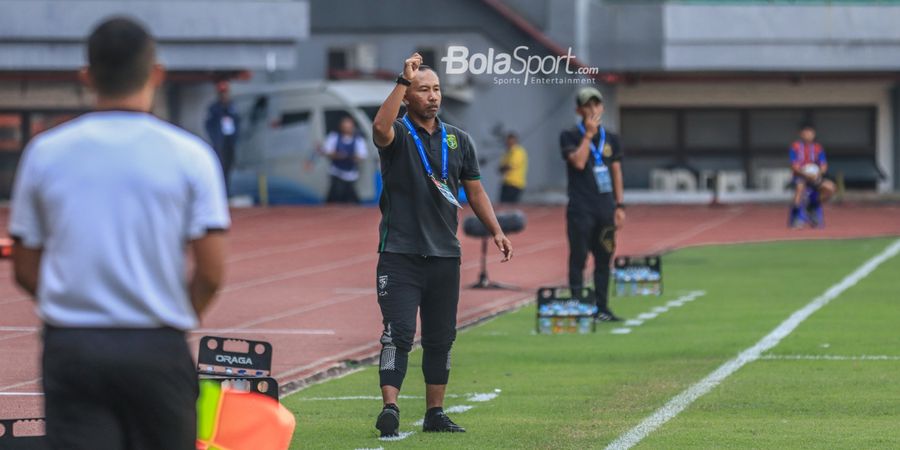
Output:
[[656, 311], [830, 358], [681, 401], [456, 409], [472, 397]]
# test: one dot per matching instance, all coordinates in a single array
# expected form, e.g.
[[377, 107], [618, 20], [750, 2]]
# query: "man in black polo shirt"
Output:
[[593, 165], [424, 161]]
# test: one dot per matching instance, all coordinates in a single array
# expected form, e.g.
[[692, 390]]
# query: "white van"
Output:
[[283, 124]]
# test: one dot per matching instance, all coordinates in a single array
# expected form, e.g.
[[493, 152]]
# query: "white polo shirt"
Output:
[[113, 198]]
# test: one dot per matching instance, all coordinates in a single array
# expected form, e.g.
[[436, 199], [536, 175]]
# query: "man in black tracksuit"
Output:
[[593, 161], [424, 162]]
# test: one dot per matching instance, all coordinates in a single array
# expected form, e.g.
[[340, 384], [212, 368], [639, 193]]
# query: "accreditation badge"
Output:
[[604, 182], [445, 191], [228, 127]]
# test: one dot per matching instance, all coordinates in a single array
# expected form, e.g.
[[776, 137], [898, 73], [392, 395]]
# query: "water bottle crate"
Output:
[[637, 276], [560, 312]]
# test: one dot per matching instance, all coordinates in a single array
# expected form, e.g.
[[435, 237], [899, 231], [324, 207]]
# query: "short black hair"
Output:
[[427, 67], [121, 54], [806, 125]]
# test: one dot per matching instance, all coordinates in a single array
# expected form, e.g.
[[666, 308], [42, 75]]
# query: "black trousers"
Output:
[[594, 232], [341, 191], [119, 389], [411, 284], [510, 194], [226, 159]]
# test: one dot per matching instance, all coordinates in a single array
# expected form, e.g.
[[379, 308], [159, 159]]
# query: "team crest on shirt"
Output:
[[452, 143], [607, 150]]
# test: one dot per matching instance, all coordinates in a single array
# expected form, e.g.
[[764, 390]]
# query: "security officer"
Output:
[[593, 165], [424, 162]]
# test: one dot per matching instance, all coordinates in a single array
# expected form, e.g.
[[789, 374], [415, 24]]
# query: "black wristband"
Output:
[[403, 81], [620, 206]]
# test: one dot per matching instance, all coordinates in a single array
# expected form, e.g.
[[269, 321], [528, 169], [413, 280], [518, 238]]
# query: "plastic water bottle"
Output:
[[584, 325], [654, 279], [545, 325], [620, 282], [634, 285]]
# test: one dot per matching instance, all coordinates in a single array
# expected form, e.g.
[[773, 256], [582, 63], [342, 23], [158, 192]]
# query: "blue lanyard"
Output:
[[421, 148], [598, 155]]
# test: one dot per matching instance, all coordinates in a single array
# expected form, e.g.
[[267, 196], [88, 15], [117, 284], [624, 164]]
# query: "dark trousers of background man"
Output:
[[593, 232], [510, 194], [119, 389], [226, 159], [342, 191]]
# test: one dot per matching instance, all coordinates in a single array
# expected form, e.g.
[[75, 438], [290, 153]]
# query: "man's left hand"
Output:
[[504, 245], [620, 218]]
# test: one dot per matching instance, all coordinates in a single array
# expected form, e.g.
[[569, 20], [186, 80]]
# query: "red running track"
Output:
[[303, 278]]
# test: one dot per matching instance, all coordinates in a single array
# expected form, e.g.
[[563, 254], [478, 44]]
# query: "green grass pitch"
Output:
[[583, 391]]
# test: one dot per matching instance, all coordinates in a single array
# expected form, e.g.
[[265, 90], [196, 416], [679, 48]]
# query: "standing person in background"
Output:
[[102, 212], [424, 162], [223, 128], [809, 165], [346, 149], [514, 167], [594, 169]]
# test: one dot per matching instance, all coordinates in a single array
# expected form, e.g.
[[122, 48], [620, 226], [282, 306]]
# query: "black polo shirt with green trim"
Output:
[[415, 218]]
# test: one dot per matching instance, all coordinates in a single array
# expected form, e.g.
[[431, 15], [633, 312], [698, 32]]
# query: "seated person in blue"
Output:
[[809, 166]]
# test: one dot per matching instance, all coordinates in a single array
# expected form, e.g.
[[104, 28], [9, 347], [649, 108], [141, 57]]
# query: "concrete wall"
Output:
[[193, 35], [781, 37]]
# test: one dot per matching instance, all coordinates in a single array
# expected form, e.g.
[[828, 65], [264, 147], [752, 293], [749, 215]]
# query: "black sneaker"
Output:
[[388, 422], [436, 421], [607, 316]]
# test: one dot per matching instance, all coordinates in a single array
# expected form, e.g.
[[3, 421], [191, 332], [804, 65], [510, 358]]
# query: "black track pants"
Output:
[[411, 284], [593, 232]]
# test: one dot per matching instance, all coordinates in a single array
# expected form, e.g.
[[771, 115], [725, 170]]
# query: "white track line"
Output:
[[15, 300], [830, 358], [689, 395], [269, 251], [282, 315], [527, 250], [18, 335], [335, 358], [21, 383], [28, 329], [346, 262], [21, 394], [263, 331], [673, 242], [217, 330]]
